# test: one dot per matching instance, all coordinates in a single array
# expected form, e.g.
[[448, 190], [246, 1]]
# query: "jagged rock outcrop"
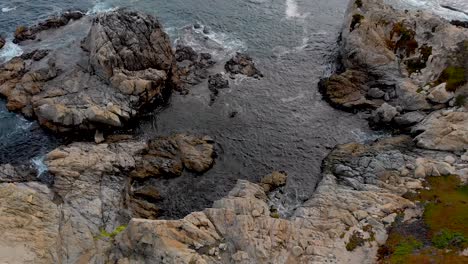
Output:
[[242, 64], [411, 60], [273, 181], [91, 199], [193, 66], [23, 33], [9, 173], [168, 156], [359, 195], [215, 83], [125, 64], [98, 210]]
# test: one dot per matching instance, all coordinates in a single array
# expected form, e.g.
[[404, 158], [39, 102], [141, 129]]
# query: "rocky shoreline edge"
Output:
[[406, 69]]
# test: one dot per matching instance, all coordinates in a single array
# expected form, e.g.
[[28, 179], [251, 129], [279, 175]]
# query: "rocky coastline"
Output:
[[406, 70]]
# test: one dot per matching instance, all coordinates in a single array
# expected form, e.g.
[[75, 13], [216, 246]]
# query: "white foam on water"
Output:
[[39, 165], [292, 10], [217, 44], [293, 98], [8, 9], [435, 7], [363, 137], [280, 51], [9, 51], [101, 7]]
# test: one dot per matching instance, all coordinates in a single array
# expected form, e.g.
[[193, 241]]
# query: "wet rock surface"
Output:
[[193, 66], [242, 64], [109, 80], [2, 42], [215, 83], [23, 33]]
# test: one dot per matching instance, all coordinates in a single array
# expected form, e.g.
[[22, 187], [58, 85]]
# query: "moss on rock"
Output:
[[454, 77]]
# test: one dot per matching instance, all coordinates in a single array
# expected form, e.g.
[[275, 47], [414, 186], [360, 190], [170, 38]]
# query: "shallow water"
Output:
[[282, 123]]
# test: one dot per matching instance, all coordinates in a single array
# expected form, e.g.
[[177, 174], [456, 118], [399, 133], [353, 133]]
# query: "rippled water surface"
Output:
[[281, 123]]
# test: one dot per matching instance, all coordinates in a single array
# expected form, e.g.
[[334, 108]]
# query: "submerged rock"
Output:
[[2, 42], [118, 72], [242, 64], [215, 83]]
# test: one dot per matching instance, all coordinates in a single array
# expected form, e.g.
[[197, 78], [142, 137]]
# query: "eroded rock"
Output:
[[29, 222], [193, 66], [168, 156], [443, 130], [23, 33], [242, 64], [362, 198], [116, 73], [392, 55]]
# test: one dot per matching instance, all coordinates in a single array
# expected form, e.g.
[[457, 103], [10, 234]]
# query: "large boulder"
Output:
[[124, 65], [443, 130], [168, 156], [242, 64], [413, 60]]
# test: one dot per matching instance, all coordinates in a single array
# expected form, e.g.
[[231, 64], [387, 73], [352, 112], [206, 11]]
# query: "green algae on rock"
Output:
[[442, 232]]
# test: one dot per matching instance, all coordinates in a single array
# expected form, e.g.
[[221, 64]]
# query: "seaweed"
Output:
[[357, 18]]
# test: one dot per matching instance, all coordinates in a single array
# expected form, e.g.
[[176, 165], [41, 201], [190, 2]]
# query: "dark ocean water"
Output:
[[282, 123]]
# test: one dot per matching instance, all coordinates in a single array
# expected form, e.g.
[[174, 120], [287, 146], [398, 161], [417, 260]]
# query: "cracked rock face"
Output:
[[360, 192], [29, 222], [405, 59], [443, 130], [92, 194], [124, 64]]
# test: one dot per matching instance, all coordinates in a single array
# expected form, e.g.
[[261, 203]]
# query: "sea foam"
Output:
[[9, 51], [8, 9]]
